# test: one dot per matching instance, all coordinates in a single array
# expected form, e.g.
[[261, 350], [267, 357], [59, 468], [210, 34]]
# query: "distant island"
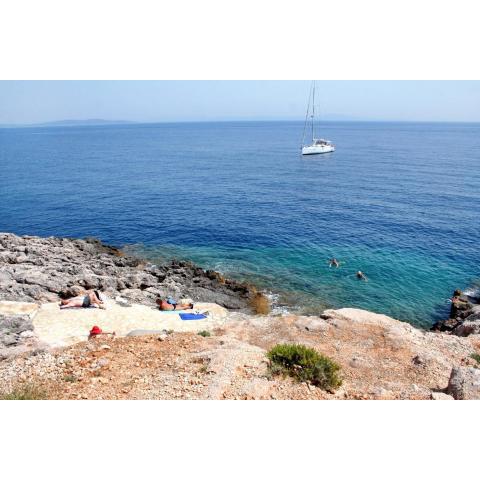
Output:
[[334, 118], [70, 123]]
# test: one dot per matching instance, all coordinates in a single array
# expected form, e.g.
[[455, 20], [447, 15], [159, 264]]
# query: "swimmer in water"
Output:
[[334, 263], [361, 276]]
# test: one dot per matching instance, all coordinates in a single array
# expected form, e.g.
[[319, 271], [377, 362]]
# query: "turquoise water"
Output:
[[401, 202]]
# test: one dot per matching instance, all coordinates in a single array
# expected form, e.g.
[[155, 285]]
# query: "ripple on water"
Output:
[[393, 201]]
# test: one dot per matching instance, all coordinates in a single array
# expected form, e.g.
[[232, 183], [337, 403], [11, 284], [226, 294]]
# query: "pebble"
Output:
[[355, 362], [102, 362]]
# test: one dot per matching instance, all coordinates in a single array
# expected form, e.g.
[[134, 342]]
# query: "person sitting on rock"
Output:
[[91, 298], [164, 305]]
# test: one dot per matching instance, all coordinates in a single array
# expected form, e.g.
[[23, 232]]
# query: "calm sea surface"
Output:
[[401, 202]]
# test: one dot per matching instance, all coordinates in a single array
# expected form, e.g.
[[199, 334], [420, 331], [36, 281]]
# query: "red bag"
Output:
[[95, 331]]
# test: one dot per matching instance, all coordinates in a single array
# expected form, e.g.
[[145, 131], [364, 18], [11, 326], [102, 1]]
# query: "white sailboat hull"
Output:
[[317, 149]]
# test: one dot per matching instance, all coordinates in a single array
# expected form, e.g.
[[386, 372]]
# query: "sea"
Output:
[[398, 201]]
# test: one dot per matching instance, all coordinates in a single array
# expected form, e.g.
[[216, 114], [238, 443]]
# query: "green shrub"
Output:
[[305, 364], [25, 392], [205, 333], [476, 357]]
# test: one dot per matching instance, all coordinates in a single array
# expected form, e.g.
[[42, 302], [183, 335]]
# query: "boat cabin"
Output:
[[321, 141]]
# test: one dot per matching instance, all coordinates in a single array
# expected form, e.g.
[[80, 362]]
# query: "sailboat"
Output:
[[319, 145]]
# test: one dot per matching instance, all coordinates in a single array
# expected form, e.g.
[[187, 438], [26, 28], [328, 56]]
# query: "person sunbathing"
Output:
[[164, 305], [91, 298]]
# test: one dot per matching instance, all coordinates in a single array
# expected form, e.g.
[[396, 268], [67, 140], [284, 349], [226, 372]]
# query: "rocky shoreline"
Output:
[[464, 319], [380, 357], [35, 269], [42, 270]]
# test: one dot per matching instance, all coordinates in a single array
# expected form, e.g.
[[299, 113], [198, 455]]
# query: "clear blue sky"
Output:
[[151, 101]]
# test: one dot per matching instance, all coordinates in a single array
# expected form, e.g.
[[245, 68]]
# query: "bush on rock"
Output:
[[305, 364]]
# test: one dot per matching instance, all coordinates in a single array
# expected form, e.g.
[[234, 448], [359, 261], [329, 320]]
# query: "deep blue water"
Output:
[[401, 202]]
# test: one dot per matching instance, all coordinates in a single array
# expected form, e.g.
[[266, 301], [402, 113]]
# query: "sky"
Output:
[[23, 102]]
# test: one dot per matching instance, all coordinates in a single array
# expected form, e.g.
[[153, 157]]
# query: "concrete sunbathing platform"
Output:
[[58, 327]]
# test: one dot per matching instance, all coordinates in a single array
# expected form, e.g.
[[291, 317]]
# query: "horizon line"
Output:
[[104, 122]]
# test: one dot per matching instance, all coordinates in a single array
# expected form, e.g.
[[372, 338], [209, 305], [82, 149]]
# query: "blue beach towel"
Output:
[[192, 316]]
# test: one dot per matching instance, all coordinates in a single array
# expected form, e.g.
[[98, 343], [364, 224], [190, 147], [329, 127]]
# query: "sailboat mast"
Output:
[[307, 116], [313, 113]]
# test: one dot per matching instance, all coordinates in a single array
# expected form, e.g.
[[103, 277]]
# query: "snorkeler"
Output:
[[334, 262]]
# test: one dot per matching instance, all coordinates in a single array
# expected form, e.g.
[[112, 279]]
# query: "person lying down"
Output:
[[91, 298], [166, 305]]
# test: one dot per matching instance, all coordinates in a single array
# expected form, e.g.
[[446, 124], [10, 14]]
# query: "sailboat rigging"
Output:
[[319, 145]]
